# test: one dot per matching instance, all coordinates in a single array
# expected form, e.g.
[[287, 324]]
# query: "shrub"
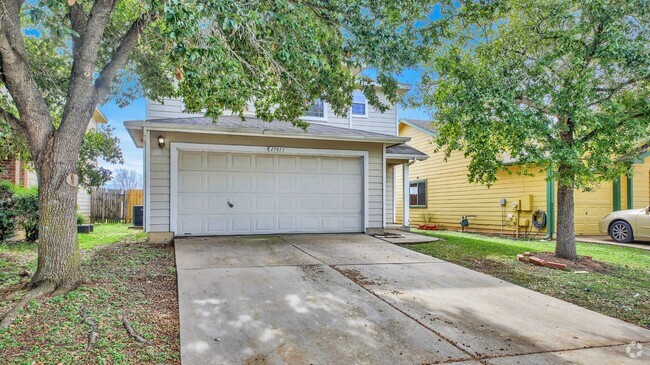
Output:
[[27, 211], [7, 212], [80, 219]]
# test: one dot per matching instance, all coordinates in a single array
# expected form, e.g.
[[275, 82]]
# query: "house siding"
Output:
[[159, 178], [390, 197], [450, 195], [378, 122]]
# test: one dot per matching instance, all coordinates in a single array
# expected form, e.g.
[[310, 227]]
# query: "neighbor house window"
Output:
[[359, 104], [317, 109], [418, 193]]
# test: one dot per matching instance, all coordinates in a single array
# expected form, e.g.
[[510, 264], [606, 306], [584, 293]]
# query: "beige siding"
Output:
[[390, 197], [376, 121], [83, 203], [160, 169]]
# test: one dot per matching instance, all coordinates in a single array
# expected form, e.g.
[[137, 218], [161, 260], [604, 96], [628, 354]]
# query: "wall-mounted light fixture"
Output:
[[161, 142]]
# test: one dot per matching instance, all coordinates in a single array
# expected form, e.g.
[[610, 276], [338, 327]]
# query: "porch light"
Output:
[[161, 142]]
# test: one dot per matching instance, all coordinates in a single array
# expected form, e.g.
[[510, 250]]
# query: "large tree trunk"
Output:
[[565, 246], [58, 247]]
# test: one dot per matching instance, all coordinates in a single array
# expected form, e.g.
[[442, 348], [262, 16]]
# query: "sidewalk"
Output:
[[608, 241]]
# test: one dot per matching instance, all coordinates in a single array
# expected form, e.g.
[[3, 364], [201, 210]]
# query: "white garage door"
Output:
[[234, 193]]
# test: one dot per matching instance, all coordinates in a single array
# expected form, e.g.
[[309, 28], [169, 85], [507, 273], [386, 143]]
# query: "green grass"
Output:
[[124, 275], [623, 292], [103, 234]]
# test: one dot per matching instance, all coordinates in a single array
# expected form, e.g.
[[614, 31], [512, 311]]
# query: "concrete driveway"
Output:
[[354, 299]]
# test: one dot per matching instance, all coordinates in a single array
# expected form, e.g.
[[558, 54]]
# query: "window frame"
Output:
[[365, 103], [323, 118], [426, 198]]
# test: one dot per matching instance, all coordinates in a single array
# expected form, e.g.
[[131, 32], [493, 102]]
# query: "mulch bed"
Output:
[[584, 263]]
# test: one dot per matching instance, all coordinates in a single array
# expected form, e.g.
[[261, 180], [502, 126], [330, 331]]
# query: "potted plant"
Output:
[[82, 227]]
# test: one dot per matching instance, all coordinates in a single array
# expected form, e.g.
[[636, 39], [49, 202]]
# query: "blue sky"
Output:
[[136, 111]]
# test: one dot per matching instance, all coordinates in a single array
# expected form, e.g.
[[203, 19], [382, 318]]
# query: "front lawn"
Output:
[[623, 292], [124, 275]]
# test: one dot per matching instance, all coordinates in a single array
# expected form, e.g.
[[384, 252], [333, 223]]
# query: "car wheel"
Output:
[[621, 231]]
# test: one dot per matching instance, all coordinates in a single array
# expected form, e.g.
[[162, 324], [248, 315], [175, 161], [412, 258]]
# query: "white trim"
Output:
[[365, 108], [175, 147], [406, 157], [261, 133], [317, 119], [147, 180], [406, 206], [394, 193], [383, 185]]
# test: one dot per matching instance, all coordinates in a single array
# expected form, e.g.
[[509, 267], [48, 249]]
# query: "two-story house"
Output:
[[235, 177]]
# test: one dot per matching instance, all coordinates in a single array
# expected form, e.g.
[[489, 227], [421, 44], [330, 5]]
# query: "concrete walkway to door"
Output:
[[354, 299]]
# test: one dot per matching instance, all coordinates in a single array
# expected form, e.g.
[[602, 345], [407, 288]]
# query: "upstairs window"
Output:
[[359, 104], [418, 194], [317, 110]]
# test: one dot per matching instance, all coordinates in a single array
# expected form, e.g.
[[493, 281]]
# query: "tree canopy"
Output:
[[564, 84]]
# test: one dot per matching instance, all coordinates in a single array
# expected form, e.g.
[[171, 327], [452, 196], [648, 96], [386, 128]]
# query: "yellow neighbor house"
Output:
[[441, 195]]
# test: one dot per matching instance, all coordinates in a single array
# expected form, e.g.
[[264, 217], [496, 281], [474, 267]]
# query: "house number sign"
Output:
[[275, 149]]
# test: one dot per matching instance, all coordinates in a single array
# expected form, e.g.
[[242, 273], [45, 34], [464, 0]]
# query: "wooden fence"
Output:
[[133, 197], [114, 205]]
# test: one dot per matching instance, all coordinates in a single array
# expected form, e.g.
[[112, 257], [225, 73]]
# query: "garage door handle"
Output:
[[230, 204]]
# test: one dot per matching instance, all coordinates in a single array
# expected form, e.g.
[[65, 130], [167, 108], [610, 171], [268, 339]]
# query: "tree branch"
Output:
[[19, 80], [78, 21], [531, 104], [621, 122], [121, 55]]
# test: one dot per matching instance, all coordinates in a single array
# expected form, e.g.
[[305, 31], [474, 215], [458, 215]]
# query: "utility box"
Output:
[[138, 215], [527, 202], [524, 222]]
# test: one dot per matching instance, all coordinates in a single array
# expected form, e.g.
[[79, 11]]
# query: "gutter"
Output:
[[259, 133]]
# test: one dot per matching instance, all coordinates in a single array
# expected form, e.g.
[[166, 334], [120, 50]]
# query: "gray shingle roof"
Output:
[[252, 124], [424, 124], [404, 149]]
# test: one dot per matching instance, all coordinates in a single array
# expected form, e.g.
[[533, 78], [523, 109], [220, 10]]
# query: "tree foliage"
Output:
[[564, 84], [98, 145]]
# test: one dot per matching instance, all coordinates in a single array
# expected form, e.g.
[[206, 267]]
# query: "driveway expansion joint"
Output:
[[451, 342]]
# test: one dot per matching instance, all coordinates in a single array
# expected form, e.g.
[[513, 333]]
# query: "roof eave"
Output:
[[396, 156], [417, 127], [183, 128]]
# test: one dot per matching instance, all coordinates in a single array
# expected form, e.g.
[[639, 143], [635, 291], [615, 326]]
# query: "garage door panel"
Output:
[[217, 225], [216, 160], [287, 164], [241, 224], [264, 183], [190, 182], [287, 202], [265, 163], [308, 164], [268, 193], [191, 160], [265, 223], [287, 183], [241, 162], [190, 203], [217, 183]]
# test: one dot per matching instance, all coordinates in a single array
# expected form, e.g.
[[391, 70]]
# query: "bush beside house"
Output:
[[18, 210]]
